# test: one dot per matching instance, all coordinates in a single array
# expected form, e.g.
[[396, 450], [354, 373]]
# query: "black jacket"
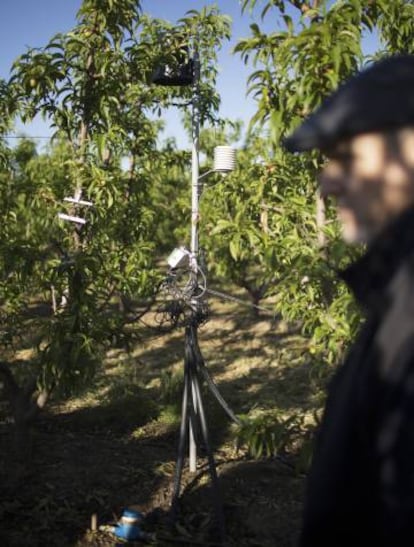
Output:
[[360, 490]]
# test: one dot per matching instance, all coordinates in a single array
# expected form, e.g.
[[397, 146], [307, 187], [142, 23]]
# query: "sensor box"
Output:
[[179, 258]]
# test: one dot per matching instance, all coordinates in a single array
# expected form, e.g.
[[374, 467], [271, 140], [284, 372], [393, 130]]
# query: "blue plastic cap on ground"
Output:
[[129, 532]]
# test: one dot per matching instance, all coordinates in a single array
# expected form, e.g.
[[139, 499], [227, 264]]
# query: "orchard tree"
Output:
[[5, 123], [316, 45], [94, 86]]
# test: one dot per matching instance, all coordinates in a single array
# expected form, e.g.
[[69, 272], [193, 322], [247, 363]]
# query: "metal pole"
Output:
[[194, 224], [195, 158]]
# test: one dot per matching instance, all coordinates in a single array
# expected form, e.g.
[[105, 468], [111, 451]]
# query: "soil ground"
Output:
[[115, 446]]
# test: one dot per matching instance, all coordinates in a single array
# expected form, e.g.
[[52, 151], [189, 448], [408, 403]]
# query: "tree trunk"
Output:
[[25, 407], [320, 220]]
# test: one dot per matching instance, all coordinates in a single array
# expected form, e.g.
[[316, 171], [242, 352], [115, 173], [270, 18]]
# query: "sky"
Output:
[[31, 23]]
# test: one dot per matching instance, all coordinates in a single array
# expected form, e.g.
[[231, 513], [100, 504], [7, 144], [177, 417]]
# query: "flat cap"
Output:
[[380, 97]]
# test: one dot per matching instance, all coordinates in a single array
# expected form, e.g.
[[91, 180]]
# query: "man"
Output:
[[360, 490]]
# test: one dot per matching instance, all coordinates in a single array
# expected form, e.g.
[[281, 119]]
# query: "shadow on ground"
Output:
[[97, 459], [76, 474]]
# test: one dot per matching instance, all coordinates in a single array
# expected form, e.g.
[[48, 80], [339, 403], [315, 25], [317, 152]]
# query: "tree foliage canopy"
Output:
[[259, 225], [94, 86]]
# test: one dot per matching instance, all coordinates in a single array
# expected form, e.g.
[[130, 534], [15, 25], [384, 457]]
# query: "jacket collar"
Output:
[[369, 275]]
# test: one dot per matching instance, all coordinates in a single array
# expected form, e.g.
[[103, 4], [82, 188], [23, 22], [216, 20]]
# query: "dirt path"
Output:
[[114, 448]]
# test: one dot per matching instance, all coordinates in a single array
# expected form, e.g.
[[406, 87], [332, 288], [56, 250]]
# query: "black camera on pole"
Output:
[[179, 73]]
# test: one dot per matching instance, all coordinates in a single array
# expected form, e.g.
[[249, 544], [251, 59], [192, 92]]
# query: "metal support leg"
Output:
[[210, 382], [211, 465], [193, 419], [182, 439]]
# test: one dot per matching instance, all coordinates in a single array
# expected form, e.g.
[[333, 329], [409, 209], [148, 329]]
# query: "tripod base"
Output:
[[193, 421]]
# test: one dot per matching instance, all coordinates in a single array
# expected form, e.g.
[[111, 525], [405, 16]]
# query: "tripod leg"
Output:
[[192, 367], [192, 426], [182, 440], [211, 463], [214, 390], [210, 382]]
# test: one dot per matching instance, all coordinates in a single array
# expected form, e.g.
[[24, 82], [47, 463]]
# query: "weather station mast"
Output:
[[185, 263]]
